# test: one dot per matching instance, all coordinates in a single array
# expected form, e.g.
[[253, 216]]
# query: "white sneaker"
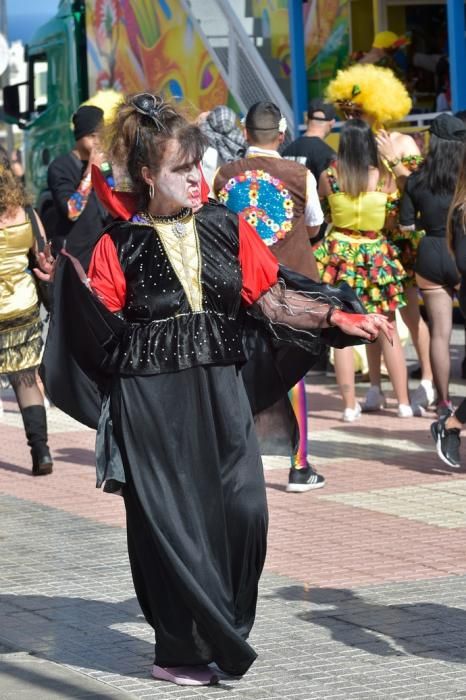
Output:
[[405, 411], [422, 397], [374, 401], [429, 389], [351, 414]]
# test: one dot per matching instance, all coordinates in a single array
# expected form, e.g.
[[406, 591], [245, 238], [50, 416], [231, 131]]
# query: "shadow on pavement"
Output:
[[25, 676], [80, 632], [75, 455], [14, 468], [425, 460], [275, 486], [427, 630]]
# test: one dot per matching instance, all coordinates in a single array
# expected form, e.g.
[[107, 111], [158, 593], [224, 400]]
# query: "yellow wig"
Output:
[[107, 100], [373, 89]]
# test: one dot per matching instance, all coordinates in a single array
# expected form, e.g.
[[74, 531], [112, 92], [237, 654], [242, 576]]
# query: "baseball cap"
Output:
[[389, 40], [318, 105], [448, 127]]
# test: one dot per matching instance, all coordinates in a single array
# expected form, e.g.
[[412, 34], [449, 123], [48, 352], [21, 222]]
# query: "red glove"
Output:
[[367, 326]]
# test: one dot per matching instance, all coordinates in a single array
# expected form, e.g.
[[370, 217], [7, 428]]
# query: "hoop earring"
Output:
[[151, 191]]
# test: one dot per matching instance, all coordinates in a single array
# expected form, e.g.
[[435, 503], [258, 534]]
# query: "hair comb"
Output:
[[150, 106]]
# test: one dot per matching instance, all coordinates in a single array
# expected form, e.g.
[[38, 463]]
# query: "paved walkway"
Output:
[[363, 596]]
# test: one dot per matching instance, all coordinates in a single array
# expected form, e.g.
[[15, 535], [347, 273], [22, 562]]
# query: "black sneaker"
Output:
[[300, 480], [447, 443], [444, 410]]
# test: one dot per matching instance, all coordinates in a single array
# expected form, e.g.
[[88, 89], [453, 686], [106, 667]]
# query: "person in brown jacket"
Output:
[[279, 198]]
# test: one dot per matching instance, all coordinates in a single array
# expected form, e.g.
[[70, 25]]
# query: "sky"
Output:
[[24, 16], [25, 7]]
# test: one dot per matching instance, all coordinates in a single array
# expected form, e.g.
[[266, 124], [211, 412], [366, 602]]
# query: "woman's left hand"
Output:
[[367, 326], [385, 145]]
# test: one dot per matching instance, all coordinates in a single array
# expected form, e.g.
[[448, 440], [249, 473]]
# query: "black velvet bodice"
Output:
[[164, 334]]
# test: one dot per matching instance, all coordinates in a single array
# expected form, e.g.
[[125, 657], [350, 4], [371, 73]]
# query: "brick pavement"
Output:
[[363, 595]]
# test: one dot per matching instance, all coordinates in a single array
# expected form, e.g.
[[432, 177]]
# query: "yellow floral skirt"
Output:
[[368, 263]]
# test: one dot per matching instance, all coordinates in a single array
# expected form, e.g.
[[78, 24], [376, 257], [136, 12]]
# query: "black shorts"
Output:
[[435, 263]]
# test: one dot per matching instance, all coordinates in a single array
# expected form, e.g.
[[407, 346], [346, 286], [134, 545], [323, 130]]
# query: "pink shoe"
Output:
[[185, 675]]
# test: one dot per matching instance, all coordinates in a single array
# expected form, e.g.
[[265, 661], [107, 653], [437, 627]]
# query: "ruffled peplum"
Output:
[[179, 343]]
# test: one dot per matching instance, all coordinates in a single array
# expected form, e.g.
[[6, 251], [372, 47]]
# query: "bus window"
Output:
[[38, 75]]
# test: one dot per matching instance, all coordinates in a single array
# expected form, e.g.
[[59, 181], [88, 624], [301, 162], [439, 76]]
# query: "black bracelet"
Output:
[[329, 315]]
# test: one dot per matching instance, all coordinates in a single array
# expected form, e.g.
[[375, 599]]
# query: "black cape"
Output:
[[84, 334]]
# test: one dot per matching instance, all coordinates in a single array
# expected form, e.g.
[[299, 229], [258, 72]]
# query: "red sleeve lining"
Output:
[[120, 205], [259, 265], [106, 276]]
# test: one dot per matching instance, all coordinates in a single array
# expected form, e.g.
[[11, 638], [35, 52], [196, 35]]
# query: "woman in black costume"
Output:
[[176, 417], [425, 203]]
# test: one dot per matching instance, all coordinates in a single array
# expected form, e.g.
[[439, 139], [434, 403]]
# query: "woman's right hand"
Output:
[[367, 326], [385, 145], [46, 265]]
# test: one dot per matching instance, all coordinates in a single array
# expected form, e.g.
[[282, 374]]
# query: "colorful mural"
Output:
[[326, 24], [135, 45], [327, 41]]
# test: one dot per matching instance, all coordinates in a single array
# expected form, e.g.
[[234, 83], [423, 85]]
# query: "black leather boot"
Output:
[[35, 425]]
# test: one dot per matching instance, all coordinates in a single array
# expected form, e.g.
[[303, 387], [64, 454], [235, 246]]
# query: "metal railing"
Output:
[[245, 71], [421, 121]]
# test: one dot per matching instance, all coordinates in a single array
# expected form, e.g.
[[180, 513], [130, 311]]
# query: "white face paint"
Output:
[[177, 184]]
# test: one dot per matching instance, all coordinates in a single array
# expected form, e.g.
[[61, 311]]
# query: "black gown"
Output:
[[194, 493], [178, 430]]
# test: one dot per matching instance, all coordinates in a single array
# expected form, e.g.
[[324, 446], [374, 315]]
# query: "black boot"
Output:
[[35, 425]]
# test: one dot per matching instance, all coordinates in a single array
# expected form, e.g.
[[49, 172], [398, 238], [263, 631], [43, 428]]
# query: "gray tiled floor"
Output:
[[66, 594]]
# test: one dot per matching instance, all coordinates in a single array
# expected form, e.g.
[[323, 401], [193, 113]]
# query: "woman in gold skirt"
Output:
[[20, 323]]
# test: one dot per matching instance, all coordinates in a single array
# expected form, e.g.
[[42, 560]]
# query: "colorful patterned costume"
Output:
[[376, 92], [270, 193], [357, 252]]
